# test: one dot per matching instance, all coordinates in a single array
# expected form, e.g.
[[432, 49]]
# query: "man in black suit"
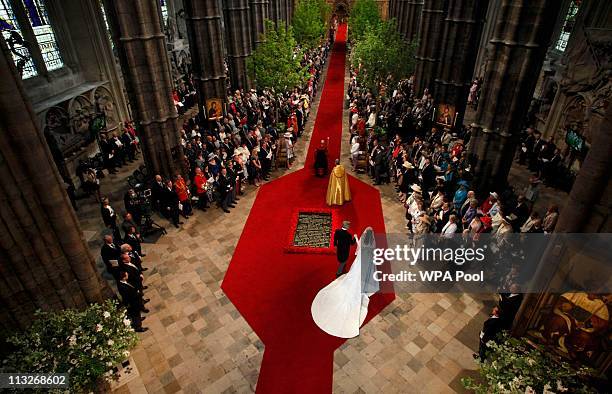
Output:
[[157, 190], [428, 173], [110, 251], [509, 304], [110, 218], [491, 327], [132, 301], [521, 211], [134, 240], [265, 157], [135, 276], [534, 155], [343, 241], [108, 152], [225, 190], [135, 258], [169, 203]]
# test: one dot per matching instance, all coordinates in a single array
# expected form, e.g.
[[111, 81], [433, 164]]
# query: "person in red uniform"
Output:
[[292, 123], [182, 191], [199, 180]]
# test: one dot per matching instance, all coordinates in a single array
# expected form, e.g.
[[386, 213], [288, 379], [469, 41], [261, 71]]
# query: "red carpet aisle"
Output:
[[273, 290]]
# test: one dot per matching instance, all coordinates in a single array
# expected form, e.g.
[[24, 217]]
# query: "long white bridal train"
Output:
[[340, 308]]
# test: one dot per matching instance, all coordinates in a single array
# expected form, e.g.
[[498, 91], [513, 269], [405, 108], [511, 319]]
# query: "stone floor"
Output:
[[198, 342]]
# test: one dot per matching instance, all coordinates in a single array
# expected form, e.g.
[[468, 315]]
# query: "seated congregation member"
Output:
[[110, 252], [443, 215], [521, 211], [450, 228], [550, 219], [461, 196], [437, 200], [132, 300], [169, 203]]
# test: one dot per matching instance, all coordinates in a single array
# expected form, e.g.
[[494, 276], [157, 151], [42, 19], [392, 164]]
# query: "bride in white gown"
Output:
[[340, 308]]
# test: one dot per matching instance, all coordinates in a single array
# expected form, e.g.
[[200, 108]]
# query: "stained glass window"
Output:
[[568, 26], [14, 39], [37, 14]]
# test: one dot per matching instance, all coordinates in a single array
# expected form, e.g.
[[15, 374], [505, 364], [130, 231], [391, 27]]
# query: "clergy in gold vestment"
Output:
[[338, 191]]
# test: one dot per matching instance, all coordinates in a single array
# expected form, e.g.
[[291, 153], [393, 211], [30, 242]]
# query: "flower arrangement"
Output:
[[84, 344], [514, 365]]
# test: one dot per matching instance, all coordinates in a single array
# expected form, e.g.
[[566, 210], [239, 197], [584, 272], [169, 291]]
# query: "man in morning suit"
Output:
[[491, 327], [131, 300], [343, 241], [110, 251]]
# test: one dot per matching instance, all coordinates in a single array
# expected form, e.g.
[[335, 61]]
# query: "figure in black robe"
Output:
[[320, 163]]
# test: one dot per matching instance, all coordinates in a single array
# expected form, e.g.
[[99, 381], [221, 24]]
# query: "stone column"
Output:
[[143, 55], [485, 36], [430, 43], [587, 209], [272, 10], [280, 12], [520, 40], [460, 39], [206, 47], [393, 9], [259, 13], [290, 10], [399, 14], [412, 15], [239, 44], [45, 262]]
